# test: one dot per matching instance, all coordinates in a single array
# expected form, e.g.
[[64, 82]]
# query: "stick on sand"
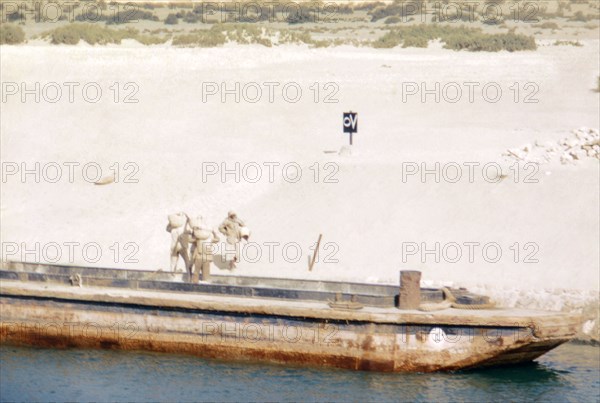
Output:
[[314, 258]]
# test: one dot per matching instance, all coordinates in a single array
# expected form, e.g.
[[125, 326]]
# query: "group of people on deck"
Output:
[[195, 242]]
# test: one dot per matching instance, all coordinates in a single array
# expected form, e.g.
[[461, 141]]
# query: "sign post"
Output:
[[350, 123]]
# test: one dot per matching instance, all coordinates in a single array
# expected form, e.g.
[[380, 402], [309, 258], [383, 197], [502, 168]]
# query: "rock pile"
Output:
[[582, 143]]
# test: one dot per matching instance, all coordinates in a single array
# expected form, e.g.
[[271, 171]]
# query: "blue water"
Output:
[[570, 373]]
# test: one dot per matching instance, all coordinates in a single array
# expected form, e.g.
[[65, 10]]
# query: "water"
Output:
[[570, 373]]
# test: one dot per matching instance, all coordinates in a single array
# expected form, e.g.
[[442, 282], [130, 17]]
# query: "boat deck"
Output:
[[299, 309]]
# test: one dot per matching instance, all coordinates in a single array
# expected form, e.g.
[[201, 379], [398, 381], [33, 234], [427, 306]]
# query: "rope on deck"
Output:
[[450, 302]]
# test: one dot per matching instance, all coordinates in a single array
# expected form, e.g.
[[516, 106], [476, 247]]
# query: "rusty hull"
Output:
[[285, 332]]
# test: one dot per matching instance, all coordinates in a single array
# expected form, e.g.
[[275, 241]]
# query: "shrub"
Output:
[[219, 34], [477, 42], [580, 17], [94, 34], [11, 34], [567, 43], [390, 10], [464, 16], [299, 17], [325, 43], [124, 17], [415, 42], [304, 13], [417, 35], [547, 25], [344, 9], [66, 35], [399, 8], [121, 17], [392, 20], [471, 39], [202, 38], [16, 16], [368, 6], [152, 6], [492, 21], [171, 19], [181, 5], [150, 39], [286, 36], [191, 18]]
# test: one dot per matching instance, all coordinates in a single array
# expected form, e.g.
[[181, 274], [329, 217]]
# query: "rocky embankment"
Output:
[[581, 144]]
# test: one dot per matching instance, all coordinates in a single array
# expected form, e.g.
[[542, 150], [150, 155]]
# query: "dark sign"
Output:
[[350, 123]]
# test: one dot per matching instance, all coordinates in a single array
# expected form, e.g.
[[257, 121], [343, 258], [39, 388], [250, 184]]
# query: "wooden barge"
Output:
[[299, 322]]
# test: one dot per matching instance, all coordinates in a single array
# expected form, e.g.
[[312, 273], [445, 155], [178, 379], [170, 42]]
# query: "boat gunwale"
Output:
[[12, 265], [377, 295]]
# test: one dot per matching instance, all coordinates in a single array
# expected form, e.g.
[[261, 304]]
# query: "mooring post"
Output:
[[410, 289]]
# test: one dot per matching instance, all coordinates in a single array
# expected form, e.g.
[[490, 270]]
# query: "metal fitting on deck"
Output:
[[410, 289]]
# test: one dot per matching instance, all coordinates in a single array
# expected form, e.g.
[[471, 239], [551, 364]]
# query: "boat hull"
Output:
[[229, 335]]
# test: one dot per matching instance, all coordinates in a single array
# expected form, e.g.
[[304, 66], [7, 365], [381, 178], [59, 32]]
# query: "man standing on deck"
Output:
[[234, 230], [180, 240], [204, 240]]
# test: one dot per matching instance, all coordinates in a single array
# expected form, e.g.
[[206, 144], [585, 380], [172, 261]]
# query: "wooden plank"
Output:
[[314, 258]]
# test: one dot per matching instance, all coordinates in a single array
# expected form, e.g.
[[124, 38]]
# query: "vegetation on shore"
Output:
[[455, 38], [382, 25], [11, 34], [93, 34]]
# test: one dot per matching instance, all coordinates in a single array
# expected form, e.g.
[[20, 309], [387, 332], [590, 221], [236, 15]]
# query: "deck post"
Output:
[[410, 289], [205, 276]]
